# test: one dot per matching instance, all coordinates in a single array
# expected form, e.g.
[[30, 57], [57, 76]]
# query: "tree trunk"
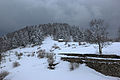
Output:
[[100, 49], [79, 43]]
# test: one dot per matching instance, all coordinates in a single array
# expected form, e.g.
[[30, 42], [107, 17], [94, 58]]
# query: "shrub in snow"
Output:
[[28, 55], [3, 74], [51, 50], [73, 66], [68, 45], [18, 54], [32, 55], [16, 64], [38, 48], [51, 60], [2, 58], [41, 54], [10, 60], [74, 47], [49, 55], [84, 44], [2, 67], [55, 46], [21, 54], [19, 57]]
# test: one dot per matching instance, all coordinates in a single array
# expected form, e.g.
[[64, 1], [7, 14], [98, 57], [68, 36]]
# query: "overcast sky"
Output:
[[16, 14]]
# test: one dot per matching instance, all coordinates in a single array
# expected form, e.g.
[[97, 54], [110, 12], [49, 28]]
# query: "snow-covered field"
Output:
[[33, 68]]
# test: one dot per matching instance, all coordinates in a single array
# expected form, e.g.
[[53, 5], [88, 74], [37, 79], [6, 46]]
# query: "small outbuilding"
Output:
[[60, 40]]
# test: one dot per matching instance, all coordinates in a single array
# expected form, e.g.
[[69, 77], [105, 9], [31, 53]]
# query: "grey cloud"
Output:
[[15, 14]]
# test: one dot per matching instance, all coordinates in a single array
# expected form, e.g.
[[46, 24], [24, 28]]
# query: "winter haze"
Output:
[[15, 14]]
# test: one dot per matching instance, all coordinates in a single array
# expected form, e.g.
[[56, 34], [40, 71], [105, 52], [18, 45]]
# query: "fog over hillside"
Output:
[[16, 14]]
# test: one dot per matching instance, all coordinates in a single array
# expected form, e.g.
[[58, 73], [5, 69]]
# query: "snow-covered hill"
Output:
[[34, 68]]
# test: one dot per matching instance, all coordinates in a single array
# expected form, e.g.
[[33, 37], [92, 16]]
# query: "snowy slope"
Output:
[[113, 48], [33, 68], [38, 71]]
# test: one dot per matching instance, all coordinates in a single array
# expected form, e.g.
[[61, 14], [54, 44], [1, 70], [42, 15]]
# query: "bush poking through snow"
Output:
[[19, 55], [38, 48], [3, 74], [16, 53], [16, 64], [10, 60], [2, 58], [55, 46], [28, 55], [41, 54], [68, 45], [32, 55], [73, 66], [51, 60]]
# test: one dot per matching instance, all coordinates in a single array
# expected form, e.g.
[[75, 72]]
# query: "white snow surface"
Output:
[[33, 68]]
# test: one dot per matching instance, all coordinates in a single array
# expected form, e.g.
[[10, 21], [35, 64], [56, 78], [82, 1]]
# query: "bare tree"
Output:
[[99, 35]]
